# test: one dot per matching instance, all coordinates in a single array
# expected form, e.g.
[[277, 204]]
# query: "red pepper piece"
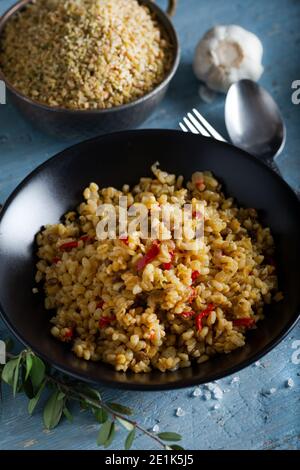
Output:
[[68, 246], [203, 314], [105, 321], [124, 240], [196, 214], [55, 260], [149, 256], [199, 183], [69, 333], [86, 238], [188, 314], [246, 322], [195, 275], [193, 294], [167, 266], [100, 304]]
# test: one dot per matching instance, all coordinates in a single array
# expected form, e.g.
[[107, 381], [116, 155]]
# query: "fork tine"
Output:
[[198, 126], [183, 128], [208, 127], [190, 126]]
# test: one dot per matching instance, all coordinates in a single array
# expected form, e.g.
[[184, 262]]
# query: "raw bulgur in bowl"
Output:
[[85, 54], [141, 304]]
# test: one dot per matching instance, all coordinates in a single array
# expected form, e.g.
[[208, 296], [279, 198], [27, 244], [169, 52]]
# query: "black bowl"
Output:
[[112, 160], [68, 123]]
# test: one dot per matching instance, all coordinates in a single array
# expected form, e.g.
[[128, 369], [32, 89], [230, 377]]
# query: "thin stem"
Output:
[[78, 396]]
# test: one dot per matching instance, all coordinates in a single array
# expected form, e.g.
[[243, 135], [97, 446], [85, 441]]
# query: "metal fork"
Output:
[[194, 122]]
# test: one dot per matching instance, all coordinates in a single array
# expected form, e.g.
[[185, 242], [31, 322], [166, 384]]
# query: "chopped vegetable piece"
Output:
[[196, 214], [167, 266], [203, 314], [188, 314], [246, 322], [149, 256], [55, 260], [86, 238], [105, 321], [193, 294], [69, 333], [124, 240], [100, 304], [68, 246], [195, 275]]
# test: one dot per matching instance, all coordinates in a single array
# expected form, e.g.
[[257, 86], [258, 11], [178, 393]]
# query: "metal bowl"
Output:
[[68, 123]]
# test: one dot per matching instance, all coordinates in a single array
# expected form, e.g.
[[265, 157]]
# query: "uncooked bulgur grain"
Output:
[[180, 306], [84, 54]]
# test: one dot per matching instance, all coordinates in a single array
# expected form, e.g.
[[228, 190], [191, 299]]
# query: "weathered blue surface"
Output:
[[246, 419]]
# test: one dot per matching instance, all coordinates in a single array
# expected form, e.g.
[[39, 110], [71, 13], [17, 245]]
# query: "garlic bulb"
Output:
[[227, 54]]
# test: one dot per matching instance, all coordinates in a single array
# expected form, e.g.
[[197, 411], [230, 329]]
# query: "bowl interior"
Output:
[[113, 160], [167, 28]]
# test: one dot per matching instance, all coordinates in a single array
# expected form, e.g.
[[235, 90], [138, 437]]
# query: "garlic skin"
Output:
[[227, 54]]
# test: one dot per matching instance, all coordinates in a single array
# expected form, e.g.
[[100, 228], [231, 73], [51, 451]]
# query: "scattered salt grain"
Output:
[[226, 390], [235, 380], [210, 386], [272, 391], [155, 428], [218, 393], [257, 364], [197, 392], [179, 412], [289, 383], [35, 290], [217, 406], [207, 395]]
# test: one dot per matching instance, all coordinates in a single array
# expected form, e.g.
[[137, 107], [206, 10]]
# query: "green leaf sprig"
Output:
[[27, 373]]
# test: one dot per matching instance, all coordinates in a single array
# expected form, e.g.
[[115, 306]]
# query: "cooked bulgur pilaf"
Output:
[[84, 54], [141, 304]]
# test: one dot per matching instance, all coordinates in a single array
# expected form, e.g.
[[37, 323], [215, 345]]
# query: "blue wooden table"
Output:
[[248, 418]]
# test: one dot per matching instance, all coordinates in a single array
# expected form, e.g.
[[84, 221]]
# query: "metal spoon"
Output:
[[254, 122]]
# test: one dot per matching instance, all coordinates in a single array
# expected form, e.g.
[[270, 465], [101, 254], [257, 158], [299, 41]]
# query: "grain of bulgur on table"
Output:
[[176, 307], [84, 54]]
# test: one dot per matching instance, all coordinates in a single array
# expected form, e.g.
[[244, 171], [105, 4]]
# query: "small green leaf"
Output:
[[100, 415], [34, 401], [176, 447], [16, 375], [61, 396], [90, 392], [8, 371], [129, 439], [104, 433], [37, 372], [28, 365], [27, 385], [170, 436], [120, 408], [67, 414], [53, 410], [111, 435], [125, 424]]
